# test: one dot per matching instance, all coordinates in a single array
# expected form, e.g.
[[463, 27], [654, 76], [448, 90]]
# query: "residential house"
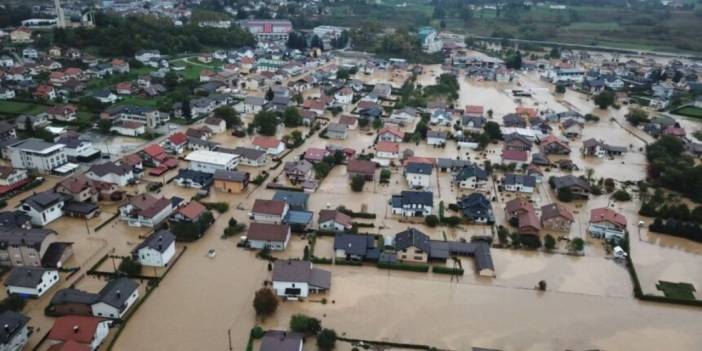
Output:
[[355, 247], [517, 207], [15, 333], [441, 117], [519, 183], [518, 158], [298, 171], [105, 96], [44, 207], [77, 149], [387, 150], [231, 181], [315, 155], [413, 203], [128, 128], [418, 175], [46, 92], [471, 176], [578, 186], [390, 134], [215, 124], [572, 128], [298, 279], [111, 172], [473, 123], [556, 217], [514, 120], [21, 246], [176, 143], [334, 221], [552, 145], [146, 211], [12, 179], [351, 122], [30, 281], [79, 187], [156, 250], [337, 131], [405, 115], [248, 156], [269, 211], [271, 145], [477, 208], [363, 168], [607, 223], [189, 178], [273, 236], [21, 35], [528, 223], [78, 332], [436, 138], [116, 298], [516, 142]]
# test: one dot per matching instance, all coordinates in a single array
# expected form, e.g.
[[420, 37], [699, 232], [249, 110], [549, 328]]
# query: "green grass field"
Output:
[[18, 108], [139, 101], [683, 291], [688, 111]]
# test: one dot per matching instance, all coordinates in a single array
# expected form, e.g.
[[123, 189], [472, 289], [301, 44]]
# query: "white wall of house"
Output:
[[472, 183], [154, 258], [268, 218], [48, 279], [102, 309], [44, 217], [331, 226], [280, 288], [519, 188], [121, 180], [273, 245], [411, 211], [17, 342], [416, 180]]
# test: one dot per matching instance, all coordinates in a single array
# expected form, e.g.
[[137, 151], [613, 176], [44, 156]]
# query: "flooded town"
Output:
[[294, 192]]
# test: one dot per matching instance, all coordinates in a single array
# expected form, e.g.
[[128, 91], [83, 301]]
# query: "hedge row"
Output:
[[353, 214], [321, 260], [404, 267], [447, 270], [348, 263]]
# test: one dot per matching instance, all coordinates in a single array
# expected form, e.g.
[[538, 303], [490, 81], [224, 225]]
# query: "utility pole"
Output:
[[229, 334]]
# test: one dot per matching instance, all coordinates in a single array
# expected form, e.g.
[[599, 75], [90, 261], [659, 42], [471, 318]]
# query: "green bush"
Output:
[[220, 207], [129, 266], [326, 340], [431, 220], [353, 214], [621, 195], [257, 332], [301, 323], [447, 270]]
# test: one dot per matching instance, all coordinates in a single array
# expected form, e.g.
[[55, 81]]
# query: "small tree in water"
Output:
[[265, 302]]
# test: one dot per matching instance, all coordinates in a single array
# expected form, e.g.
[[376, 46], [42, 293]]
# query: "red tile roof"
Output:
[[474, 109], [394, 131], [271, 207], [69, 346], [386, 146], [154, 150], [266, 142], [605, 214], [361, 166], [77, 328], [193, 210], [336, 216], [515, 155], [178, 138], [268, 232]]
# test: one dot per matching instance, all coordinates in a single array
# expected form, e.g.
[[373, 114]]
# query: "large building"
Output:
[[428, 38], [212, 161], [37, 154], [268, 31]]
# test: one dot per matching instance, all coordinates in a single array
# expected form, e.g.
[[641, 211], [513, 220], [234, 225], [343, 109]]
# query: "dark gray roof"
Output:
[[159, 241], [116, 292], [570, 181], [277, 340], [297, 200], [66, 296], [451, 163], [12, 323], [14, 219], [476, 205], [418, 168], [33, 144], [301, 271], [234, 176], [526, 180], [54, 253], [356, 244], [412, 237], [540, 159], [199, 177], [109, 168], [79, 208], [23, 237], [470, 171], [43, 200], [249, 153], [416, 197], [436, 134], [25, 277]]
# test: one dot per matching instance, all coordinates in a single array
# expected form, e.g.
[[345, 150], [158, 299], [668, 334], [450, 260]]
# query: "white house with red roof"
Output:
[[386, 149], [607, 223], [389, 134], [176, 143], [516, 157], [270, 145]]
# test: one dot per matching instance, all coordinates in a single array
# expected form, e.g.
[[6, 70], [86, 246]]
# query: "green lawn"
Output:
[[139, 101], [103, 83], [18, 108], [683, 291], [688, 111]]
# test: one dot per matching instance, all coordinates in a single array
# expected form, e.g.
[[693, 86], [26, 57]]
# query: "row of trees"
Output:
[[671, 168], [115, 36]]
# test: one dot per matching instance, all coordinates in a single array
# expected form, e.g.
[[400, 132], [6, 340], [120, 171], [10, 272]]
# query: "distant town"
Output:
[[229, 175]]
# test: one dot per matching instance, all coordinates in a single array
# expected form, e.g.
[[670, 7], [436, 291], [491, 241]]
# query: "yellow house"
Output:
[[21, 35], [231, 181]]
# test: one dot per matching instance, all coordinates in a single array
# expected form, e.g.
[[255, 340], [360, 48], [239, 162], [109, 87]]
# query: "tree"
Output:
[[555, 53], [269, 94], [542, 285], [565, 194], [357, 183], [549, 242], [104, 125], [377, 123], [636, 116], [265, 302], [441, 211], [304, 324], [621, 195], [589, 172], [129, 267], [492, 129], [431, 220], [560, 89], [326, 339], [171, 80], [604, 99], [576, 245], [186, 110], [229, 115], [514, 60], [292, 117], [321, 170], [317, 42], [265, 123]]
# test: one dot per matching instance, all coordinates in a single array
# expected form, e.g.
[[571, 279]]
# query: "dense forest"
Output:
[[671, 168], [116, 36]]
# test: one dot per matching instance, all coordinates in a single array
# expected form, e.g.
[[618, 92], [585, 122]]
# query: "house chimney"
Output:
[[7, 327], [119, 294], [75, 329]]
